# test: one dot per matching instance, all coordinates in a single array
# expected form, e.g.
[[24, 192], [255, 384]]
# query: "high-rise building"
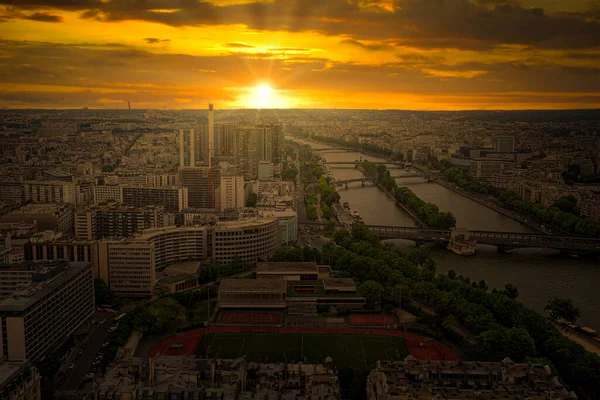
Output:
[[55, 217], [225, 142], [202, 184], [505, 144], [35, 320], [172, 198], [187, 148], [231, 192], [211, 135], [246, 152]]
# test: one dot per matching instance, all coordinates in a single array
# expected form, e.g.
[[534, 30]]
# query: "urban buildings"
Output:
[[504, 144], [171, 198], [41, 316], [19, 382], [51, 192], [187, 377], [49, 216], [115, 220], [249, 240], [232, 192], [461, 380], [202, 184]]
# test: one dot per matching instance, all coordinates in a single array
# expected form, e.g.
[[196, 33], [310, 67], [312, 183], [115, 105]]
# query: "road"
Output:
[[93, 346]]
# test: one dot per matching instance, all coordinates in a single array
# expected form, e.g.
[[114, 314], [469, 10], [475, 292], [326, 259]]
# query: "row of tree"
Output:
[[502, 327], [429, 213], [567, 221], [465, 181]]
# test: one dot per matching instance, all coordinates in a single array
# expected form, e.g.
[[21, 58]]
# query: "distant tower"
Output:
[[129, 105], [211, 134]]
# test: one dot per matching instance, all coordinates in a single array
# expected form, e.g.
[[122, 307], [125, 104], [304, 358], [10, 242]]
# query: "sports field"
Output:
[[345, 349]]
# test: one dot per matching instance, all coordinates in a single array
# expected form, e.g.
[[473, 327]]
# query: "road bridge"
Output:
[[345, 182], [503, 240]]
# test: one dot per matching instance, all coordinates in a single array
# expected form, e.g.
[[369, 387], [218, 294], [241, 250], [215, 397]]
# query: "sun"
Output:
[[263, 94]]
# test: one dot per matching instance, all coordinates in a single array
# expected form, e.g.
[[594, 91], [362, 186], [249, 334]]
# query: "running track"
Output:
[[415, 344]]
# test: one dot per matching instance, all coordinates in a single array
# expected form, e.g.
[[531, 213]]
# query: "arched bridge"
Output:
[[504, 240], [345, 182]]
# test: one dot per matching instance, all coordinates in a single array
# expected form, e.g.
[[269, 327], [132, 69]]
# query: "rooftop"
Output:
[[310, 267], [252, 285], [38, 208], [21, 303]]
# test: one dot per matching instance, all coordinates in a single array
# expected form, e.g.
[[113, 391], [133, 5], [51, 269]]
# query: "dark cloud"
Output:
[[461, 23], [44, 17], [156, 40], [367, 46]]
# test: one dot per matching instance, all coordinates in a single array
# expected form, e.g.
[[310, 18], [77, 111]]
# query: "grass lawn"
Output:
[[200, 311], [353, 350]]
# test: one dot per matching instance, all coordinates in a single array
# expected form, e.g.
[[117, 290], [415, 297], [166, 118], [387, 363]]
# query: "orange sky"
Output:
[[403, 54]]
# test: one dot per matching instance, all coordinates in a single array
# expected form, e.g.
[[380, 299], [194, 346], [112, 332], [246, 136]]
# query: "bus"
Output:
[[118, 318]]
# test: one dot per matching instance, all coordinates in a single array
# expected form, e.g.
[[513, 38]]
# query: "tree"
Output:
[[567, 204], [372, 291], [562, 309], [108, 168], [510, 291], [101, 292], [251, 201], [329, 228]]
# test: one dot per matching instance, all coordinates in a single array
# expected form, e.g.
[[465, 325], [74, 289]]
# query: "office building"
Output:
[[130, 265], [265, 170], [38, 319], [55, 217], [115, 220], [19, 381], [202, 184], [462, 380], [250, 240], [17, 277], [12, 191], [504, 144], [486, 168], [231, 192], [107, 193], [288, 224]]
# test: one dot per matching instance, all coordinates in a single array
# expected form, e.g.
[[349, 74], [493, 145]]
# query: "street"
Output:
[[93, 345]]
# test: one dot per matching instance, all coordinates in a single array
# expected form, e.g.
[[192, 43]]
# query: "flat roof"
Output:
[[339, 283], [310, 267], [22, 302], [252, 285], [8, 371]]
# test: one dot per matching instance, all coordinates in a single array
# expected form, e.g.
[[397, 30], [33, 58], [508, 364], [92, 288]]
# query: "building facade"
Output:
[[249, 240], [114, 220], [231, 192], [202, 184], [35, 321]]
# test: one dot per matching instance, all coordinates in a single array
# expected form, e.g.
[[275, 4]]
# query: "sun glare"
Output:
[[263, 96]]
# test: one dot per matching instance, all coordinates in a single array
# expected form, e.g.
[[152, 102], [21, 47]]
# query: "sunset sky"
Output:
[[389, 54]]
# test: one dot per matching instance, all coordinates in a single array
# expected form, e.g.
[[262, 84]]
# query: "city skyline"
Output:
[[425, 55]]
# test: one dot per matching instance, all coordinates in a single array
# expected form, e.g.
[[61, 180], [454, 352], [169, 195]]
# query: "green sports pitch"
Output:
[[357, 351]]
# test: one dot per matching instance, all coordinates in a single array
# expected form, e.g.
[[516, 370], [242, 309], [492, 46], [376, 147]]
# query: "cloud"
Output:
[[156, 40], [44, 17], [367, 46], [239, 45], [460, 24]]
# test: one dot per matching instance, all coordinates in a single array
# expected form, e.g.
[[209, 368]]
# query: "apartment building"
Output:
[[37, 319], [462, 380], [16, 277], [202, 184], [51, 192], [250, 240], [231, 192], [172, 198], [115, 220]]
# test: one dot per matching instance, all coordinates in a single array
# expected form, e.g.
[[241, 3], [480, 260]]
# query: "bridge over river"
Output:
[[503, 240], [345, 182]]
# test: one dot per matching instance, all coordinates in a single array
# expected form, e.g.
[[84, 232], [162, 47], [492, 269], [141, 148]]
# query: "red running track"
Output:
[[417, 346]]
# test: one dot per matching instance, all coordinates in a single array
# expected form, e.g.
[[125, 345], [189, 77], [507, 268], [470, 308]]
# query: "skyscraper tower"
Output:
[[187, 148], [211, 134]]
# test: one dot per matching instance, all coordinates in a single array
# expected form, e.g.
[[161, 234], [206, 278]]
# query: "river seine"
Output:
[[539, 274]]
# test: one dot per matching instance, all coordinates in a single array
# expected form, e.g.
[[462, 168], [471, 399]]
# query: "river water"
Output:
[[538, 274]]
